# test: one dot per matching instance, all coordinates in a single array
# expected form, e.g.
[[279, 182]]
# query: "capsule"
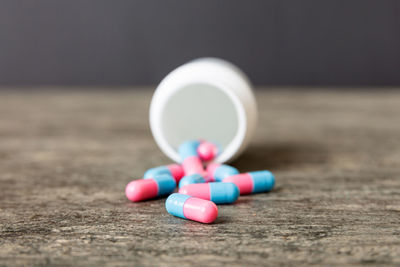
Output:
[[219, 193], [191, 208], [252, 182], [149, 188], [175, 170], [192, 179], [207, 151], [220, 171], [191, 162]]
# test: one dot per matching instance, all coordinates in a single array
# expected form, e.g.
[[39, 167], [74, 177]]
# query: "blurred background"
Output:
[[134, 43]]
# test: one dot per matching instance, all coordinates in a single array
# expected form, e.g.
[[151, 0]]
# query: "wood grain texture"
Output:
[[65, 158]]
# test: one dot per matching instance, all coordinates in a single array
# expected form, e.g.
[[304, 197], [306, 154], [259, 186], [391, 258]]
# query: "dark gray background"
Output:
[[116, 42]]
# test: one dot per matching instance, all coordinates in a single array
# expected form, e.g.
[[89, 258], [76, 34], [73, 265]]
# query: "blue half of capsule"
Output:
[[188, 149], [191, 179]]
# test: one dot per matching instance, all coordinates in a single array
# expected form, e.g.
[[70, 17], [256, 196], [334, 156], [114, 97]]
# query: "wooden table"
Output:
[[66, 156]]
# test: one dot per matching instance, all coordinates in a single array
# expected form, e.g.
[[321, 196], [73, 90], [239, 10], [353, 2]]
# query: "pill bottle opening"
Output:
[[202, 111]]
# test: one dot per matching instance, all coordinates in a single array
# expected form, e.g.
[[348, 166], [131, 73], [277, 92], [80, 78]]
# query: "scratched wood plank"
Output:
[[65, 158]]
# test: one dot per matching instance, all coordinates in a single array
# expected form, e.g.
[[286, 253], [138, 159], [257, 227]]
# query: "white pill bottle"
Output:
[[209, 99]]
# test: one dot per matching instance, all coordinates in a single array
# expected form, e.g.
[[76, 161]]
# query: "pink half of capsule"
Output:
[[192, 165], [142, 189], [243, 181], [176, 171], [200, 210], [199, 190], [207, 151]]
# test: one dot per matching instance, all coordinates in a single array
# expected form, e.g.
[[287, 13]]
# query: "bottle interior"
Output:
[[200, 111]]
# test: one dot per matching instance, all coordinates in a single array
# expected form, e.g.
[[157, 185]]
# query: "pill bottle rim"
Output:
[[159, 102]]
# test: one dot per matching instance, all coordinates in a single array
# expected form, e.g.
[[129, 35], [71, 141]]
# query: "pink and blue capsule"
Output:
[[220, 171], [191, 208], [252, 182], [190, 160], [218, 192], [149, 188], [175, 170], [207, 150], [192, 179]]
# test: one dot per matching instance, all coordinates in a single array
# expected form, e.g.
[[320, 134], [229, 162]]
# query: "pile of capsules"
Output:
[[199, 189]]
